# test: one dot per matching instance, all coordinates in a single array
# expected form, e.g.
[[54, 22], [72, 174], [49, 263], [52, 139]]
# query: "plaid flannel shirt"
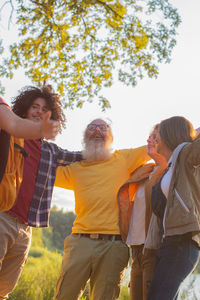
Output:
[[52, 156]]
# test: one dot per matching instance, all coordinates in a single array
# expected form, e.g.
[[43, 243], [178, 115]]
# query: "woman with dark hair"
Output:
[[175, 201]]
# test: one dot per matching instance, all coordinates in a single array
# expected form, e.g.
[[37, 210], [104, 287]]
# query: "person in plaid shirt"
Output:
[[32, 205]]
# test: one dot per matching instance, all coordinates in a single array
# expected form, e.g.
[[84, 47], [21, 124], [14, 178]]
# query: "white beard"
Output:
[[96, 150]]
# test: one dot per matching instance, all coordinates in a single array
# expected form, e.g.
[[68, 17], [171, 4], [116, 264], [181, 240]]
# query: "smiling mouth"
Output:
[[97, 138], [37, 118]]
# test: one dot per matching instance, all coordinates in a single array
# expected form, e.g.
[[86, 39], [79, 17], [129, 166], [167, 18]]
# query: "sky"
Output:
[[134, 111]]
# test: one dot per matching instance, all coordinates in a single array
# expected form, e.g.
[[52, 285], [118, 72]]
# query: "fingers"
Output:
[[49, 128], [56, 127], [149, 165], [148, 169], [53, 130], [151, 148], [47, 116], [144, 171]]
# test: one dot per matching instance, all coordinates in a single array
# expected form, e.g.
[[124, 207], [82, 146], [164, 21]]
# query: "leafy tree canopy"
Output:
[[79, 45]]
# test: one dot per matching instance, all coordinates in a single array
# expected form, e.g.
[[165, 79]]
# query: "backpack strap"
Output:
[[22, 150], [4, 148]]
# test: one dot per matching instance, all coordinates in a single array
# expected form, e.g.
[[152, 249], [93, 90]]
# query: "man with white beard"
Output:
[[97, 141], [95, 249]]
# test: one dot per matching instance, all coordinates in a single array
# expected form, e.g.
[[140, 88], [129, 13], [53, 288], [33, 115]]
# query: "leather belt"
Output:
[[100, 236]]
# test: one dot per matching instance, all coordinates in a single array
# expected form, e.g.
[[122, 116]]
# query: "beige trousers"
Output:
[[15, 240], [141, 272], [100, 261]]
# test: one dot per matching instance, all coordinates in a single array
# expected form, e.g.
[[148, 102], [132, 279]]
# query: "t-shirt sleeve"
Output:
[[63, 178], [135, 157]]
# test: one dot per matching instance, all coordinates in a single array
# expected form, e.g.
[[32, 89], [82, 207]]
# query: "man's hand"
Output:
[[49, 128], [142, 172]]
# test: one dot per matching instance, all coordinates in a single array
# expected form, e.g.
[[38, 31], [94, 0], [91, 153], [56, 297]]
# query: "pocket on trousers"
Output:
[[123, 253], [68, 241]]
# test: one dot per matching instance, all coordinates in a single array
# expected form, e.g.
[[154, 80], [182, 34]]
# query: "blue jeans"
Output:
[[175, 260]]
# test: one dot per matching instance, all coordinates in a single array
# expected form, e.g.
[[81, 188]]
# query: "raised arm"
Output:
[[23, 128]]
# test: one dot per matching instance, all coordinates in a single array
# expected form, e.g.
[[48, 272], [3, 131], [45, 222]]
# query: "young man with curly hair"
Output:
[[13, 131], [32, 205], [23, 128]]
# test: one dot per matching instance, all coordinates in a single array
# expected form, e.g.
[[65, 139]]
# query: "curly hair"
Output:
[[22, 103]]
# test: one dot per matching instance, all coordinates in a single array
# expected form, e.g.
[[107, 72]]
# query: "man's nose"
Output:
[[97, 129]]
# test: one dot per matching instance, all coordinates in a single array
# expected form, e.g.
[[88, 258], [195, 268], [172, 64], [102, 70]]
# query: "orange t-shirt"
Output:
[[12, 178]]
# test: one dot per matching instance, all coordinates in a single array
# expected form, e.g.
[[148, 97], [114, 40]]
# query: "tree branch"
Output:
[[11, 14], [12, 10], [108, 8]]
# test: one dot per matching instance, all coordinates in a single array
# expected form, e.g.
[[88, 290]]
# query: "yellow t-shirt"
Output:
[[95, 187]]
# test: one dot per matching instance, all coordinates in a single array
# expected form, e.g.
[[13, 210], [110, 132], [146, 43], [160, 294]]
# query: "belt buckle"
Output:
[[94, 236]]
